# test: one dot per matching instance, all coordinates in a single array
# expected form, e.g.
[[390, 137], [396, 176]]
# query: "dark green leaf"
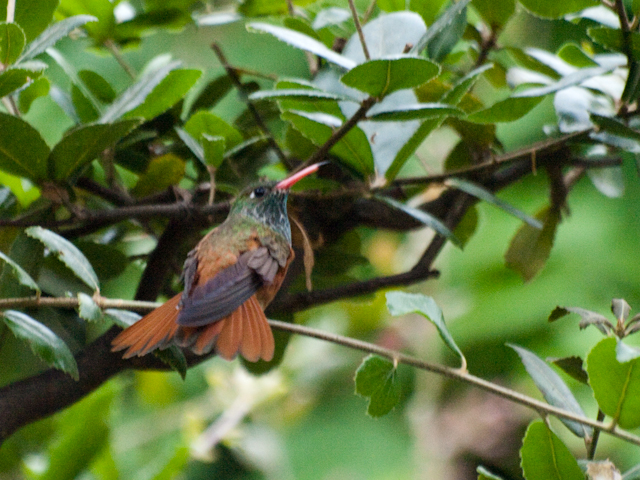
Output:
[[137, 93], [612, 39], [212, 93], [383, 76], [402, 303], [44, 343], [295, 94], [259, 8], [38, 88], [495, 12], [545, 457], [97, 85], [424, 217], [162, 172], [88, 309], [572, 366], [616, 386], [570, 80], [68, 253], [27, 157], [53, 33], [174, 358], [416, 111], [303, 42], [214, 148], [84, 144], [376, 379], [554, 390], [507, 110], [462, 86], [20, 274], [445, 32], [14, 78], [530, 247], [482, 193], [555, 9], [166, 94], [12, 40], [484, 474], [525, 60]]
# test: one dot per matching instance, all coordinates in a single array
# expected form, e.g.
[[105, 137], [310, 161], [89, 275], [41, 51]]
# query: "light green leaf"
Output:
[[27, 157], [482, 193], [53, 33], [556, 9], [21, 275], [295, 94], [88, 309], [38, 88], [462, 86], [383, 76], [376, 379], [122, 318], [214, 148], [97, 85], [574, 55], [84, 144], [545, 457], [100, 30], [68, 253], [137, 93], [530, 247], [403, 303], [43, 342], [416, 111], [206, 122], [16, 77], [553, 388], [495, 12], [616, 386], [166, 94], [507, 110], [424, 217], [162, 172], [303, 42], [570, 80], [12, 40], [34, 16]]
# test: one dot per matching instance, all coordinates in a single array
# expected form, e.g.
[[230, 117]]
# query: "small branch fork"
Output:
[[7, 399]]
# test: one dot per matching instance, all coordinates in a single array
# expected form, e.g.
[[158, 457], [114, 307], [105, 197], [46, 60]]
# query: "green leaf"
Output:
[[445, 32], [424, 217], [43, 342], [34, 16], [545, 457], [174, 358], [97, 85], [555, 9], [122, 318], [462, 86], [530, 247], [88, 309], [259, 8], [38, 88], [20, 274], [354, 148], [70, 71], [205, 122], [383, 76], [553, 388], [166, 94], [376, 380], [16, 77], [68, 253], [608, 181], [12, 40], [588, 317], [26, 157], [212, 93], [570, 80], [574, 55], [612, 39], [507, 110], [482, 193], [303, 42], [402, 303], [616, 386], [572, 366], [162, 172], [53, 33], [416, 111], [484, 474], [495, 12], [626, 353], [192, 144], [101, 30], [84, 144], [391, 170], [295, 94], [214, 148], [137, 93]]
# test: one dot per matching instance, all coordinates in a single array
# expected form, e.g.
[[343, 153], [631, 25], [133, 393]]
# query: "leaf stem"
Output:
[[356, 20], [115, 51]]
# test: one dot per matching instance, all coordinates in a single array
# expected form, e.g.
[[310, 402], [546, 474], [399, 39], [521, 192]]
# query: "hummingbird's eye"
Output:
[[258, 192]]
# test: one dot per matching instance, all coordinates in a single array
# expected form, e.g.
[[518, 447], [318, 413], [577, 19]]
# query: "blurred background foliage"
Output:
[[302, 420]]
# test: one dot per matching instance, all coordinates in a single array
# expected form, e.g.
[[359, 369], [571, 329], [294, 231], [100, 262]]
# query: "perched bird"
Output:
[[229, 279]]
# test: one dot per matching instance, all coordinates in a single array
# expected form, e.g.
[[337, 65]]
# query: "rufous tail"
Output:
[[245, 331], [154, 330]]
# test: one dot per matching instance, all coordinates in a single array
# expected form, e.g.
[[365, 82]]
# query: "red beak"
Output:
[[289, 181]]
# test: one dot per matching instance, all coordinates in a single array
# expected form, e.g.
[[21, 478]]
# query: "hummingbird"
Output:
[[229, 278]]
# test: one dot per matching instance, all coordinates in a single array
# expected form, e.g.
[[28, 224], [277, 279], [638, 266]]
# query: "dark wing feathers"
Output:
[[230, 288]]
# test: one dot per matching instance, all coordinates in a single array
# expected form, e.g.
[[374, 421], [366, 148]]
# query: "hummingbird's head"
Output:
[[267, 202]]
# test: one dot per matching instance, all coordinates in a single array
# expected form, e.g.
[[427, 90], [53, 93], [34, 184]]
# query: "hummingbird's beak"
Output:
[[289, 181]]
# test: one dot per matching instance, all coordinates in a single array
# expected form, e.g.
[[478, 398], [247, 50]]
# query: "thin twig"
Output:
[[233, 75], [115, 51], [356, 20]]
